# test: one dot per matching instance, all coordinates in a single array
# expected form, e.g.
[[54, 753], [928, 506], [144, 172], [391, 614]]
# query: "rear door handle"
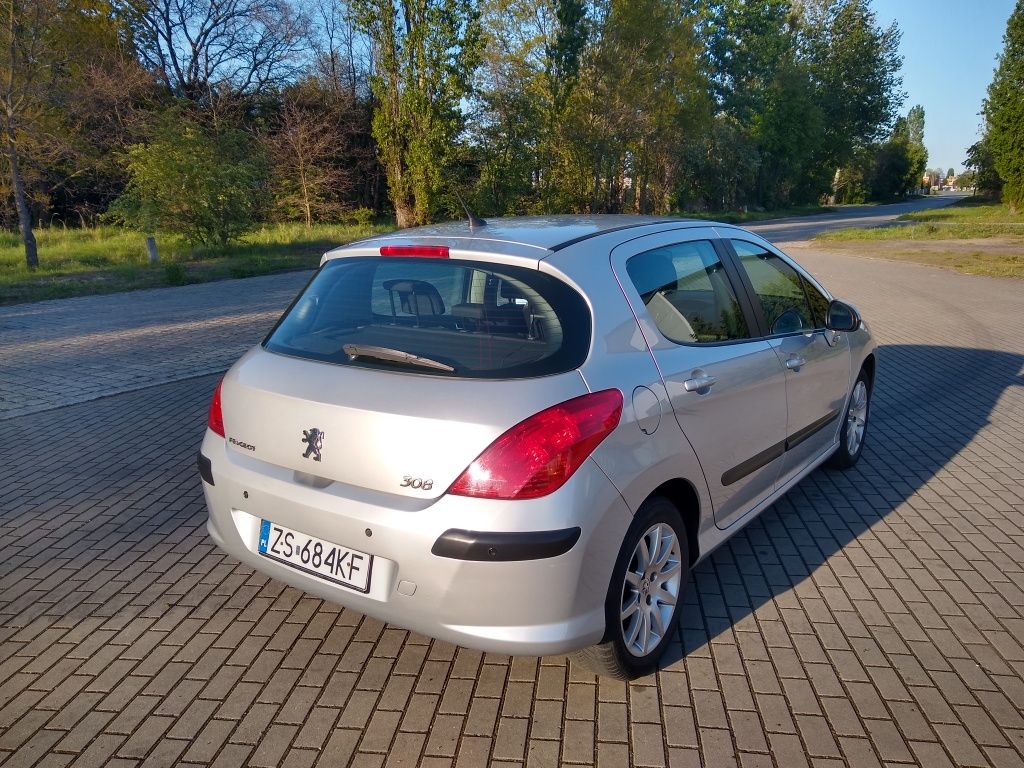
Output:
[[794, 363], [698, 383]]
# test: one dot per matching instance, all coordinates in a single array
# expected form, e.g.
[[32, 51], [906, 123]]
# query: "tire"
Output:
[[633, 646], [855, 425]]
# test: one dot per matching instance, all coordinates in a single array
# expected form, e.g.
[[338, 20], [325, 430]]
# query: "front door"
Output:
[[817, 361], [727, 389]]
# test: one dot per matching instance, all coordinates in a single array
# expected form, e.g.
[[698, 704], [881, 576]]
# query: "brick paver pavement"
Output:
[[873, 617], [55, 353]]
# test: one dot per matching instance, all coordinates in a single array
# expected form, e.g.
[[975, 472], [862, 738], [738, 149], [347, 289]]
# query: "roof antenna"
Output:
[[474, 221]]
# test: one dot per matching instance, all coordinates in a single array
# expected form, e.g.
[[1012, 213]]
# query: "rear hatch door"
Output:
[[394, 374], [385, 431]]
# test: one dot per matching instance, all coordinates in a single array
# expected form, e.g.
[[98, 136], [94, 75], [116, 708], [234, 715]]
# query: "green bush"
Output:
[[205, 185], [175, 273], [361, 216]]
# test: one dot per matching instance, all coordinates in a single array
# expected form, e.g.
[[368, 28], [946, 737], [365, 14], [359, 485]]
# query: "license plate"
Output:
[[316, 557]]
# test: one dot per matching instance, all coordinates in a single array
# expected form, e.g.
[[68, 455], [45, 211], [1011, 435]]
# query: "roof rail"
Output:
[[581, 238]]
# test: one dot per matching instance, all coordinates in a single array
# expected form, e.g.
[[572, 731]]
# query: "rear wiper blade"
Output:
[[395, 356]]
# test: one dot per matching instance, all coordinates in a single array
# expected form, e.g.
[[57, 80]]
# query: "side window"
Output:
[[688, 294], [778, 287]]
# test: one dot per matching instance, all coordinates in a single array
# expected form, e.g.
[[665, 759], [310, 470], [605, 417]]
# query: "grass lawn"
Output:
[[740, 217], [974, 236], [76, 262], [967, 219]]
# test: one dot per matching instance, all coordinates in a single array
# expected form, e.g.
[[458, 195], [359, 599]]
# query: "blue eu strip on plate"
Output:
[[264, 535]]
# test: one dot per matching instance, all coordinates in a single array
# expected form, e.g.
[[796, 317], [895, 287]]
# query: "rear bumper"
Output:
[[205, 468], [488, 546], [522, 577]]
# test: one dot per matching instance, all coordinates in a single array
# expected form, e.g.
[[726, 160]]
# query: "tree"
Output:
[[55, 56], [855, 65], [564, 48], [790, 135], [722, 167], [951, 173], [893, 171], [745, 43], [638, 97], [340, 70], [888, 169], [206, 51], [916, 150], [749, 57], [512, 127], [24, 65], [206, 184], [311, 152], [340, 57], [425, 52], [1004, 111], [967, 180], [982, 164], [852, 183], [105, 99], [805, 88]]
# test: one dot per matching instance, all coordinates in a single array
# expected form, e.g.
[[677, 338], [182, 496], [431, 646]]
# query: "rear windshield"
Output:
[[438, 317]]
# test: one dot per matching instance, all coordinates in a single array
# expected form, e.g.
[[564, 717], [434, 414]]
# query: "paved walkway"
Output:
[[55, 353], [873, 617]]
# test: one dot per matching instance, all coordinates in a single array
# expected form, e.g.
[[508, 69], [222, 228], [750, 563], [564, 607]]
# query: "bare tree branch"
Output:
[[202, 48]]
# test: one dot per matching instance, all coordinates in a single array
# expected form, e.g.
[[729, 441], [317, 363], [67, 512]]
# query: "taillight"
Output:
[[537, 456], [416, 251], [215, 420]]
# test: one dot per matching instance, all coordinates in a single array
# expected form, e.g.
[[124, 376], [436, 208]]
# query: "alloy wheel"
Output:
[[651, 589], [856, 418]]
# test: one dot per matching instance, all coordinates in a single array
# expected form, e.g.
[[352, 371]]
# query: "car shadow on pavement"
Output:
[[929, 404]]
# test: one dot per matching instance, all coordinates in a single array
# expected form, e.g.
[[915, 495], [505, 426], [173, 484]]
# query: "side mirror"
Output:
[[842, 317]]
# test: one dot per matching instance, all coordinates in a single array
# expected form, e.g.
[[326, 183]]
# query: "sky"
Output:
[[949, 50]]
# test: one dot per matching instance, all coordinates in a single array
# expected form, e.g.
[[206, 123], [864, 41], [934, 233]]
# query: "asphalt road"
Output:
[[872, 617], [805, 227]]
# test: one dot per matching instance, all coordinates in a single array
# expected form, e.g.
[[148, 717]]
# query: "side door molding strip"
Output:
[[769, 455]]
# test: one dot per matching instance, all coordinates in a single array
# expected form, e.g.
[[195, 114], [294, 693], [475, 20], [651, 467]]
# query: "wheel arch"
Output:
[[868, 366], [685, 498]]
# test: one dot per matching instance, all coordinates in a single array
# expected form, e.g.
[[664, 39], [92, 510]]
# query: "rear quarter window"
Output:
[[445, 317]]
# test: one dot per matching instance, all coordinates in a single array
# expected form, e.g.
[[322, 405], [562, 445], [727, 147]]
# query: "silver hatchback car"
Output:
[[520, 436]]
